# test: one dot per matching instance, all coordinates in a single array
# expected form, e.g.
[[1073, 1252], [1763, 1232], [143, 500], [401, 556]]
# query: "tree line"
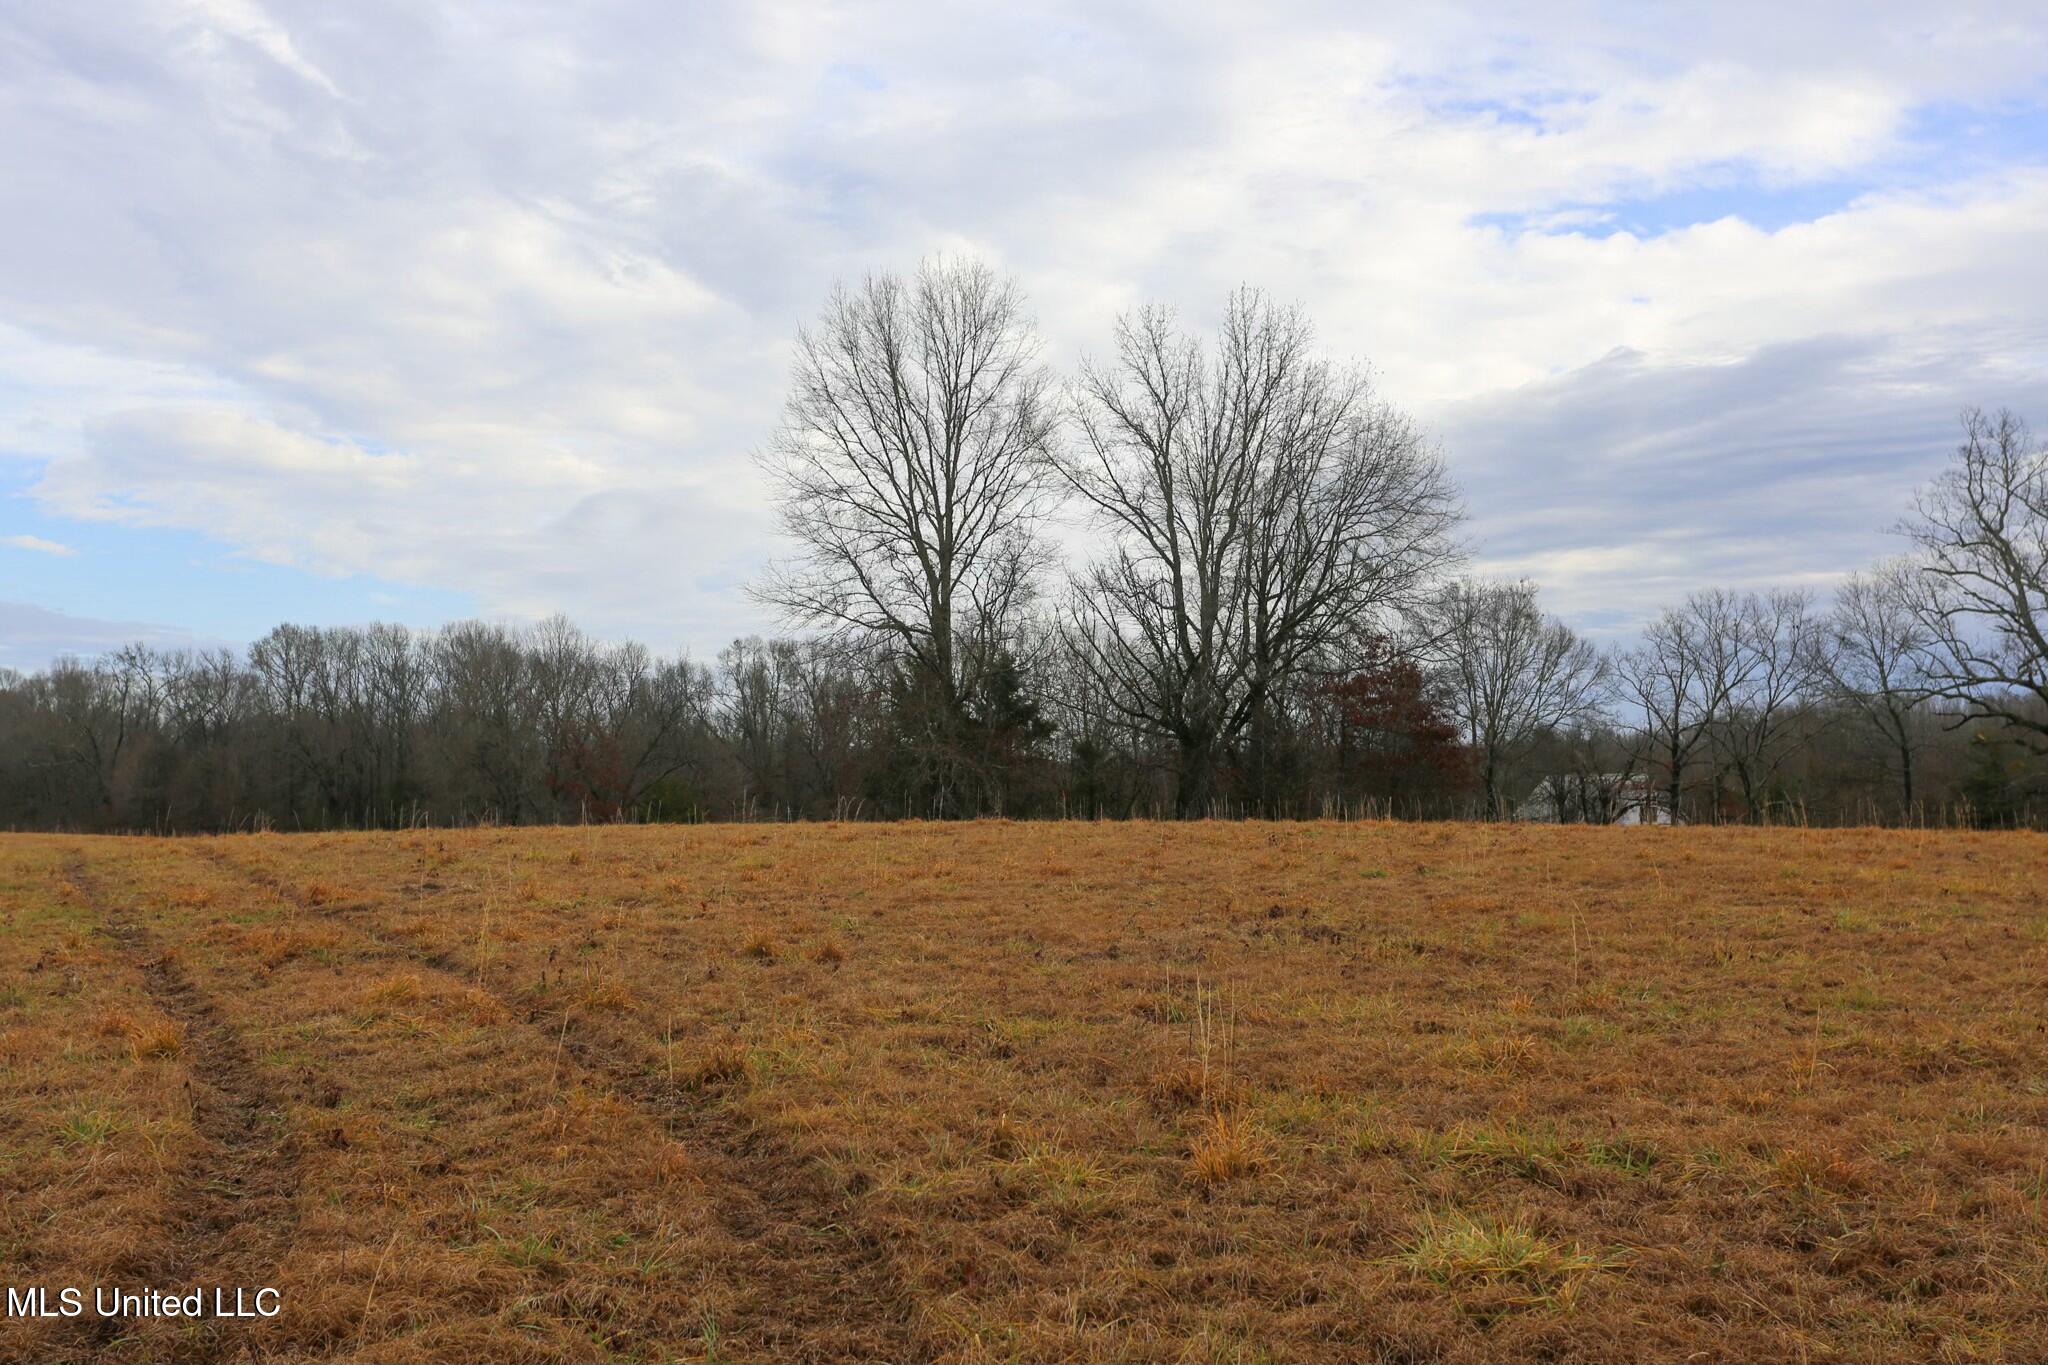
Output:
[[1263, 613]]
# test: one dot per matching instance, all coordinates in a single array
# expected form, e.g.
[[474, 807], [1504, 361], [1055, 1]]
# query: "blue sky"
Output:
[[1939, 144], [414, 311]]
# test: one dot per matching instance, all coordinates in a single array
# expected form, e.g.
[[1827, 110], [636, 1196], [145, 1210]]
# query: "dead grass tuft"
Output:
[[606, 997], [402, 989], [478, 1006], [1205, 1073], [1229, 1146], [1506, 1053], [162, 1039], [1006, 1138], [1808, 1170], [1462, 1251], [277, 945], [154, 1038], [723, 1062], [1181, 1085]]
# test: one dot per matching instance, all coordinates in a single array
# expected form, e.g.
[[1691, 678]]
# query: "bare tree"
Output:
[[647, 724], [1731, 676], [1664, 679], [101, 711], [909, 473], [614, 721], [1511, 674], [1980, 590], [756, 679], [1264, 510], [562, 665], [1878, 664], [1590, 777], [395, 682], [206, 695], [833, 718], [485, 720], [1766, 654], [296, 674]]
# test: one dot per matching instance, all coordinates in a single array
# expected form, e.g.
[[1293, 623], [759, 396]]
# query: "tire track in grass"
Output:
[[628, 1324], [827, 1288], [234, 1217]]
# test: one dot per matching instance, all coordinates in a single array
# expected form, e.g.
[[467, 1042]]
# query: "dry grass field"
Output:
[[1374, 1092]]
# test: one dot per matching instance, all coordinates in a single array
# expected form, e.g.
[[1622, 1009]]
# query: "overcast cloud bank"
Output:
[[413, 310]]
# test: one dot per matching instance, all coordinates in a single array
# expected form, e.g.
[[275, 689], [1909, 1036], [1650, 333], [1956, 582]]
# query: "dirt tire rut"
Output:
[[234, 1216], [827, 1287]]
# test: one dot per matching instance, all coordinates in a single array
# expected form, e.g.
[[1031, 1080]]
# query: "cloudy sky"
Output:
[[412, 311]]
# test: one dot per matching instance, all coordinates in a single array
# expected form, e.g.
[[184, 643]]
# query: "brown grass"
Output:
[[1228, 1146], [719, 1062], [1499, 1253], [1035, 1091], [163, 1039]]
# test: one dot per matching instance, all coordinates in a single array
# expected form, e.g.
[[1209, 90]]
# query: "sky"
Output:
[[413, 311]]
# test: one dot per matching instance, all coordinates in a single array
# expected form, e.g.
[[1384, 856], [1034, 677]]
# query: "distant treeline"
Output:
[[1271, 622], [385, 727]]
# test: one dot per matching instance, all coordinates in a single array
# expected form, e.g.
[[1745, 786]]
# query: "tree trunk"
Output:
[[1196, 778], [1676, 782], [1905, 776]]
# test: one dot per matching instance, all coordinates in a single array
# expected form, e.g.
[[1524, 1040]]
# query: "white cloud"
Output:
[[38, 545], [498, 299], [1625, 484], [246, 21]]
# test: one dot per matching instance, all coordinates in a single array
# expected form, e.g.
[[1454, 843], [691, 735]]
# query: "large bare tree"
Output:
[[1511, 674], [909, 471], [1263, 510], [484, 720], [1730, 676], [1666, 680], [1981, 590], [1878, 665], [1769, 654]]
